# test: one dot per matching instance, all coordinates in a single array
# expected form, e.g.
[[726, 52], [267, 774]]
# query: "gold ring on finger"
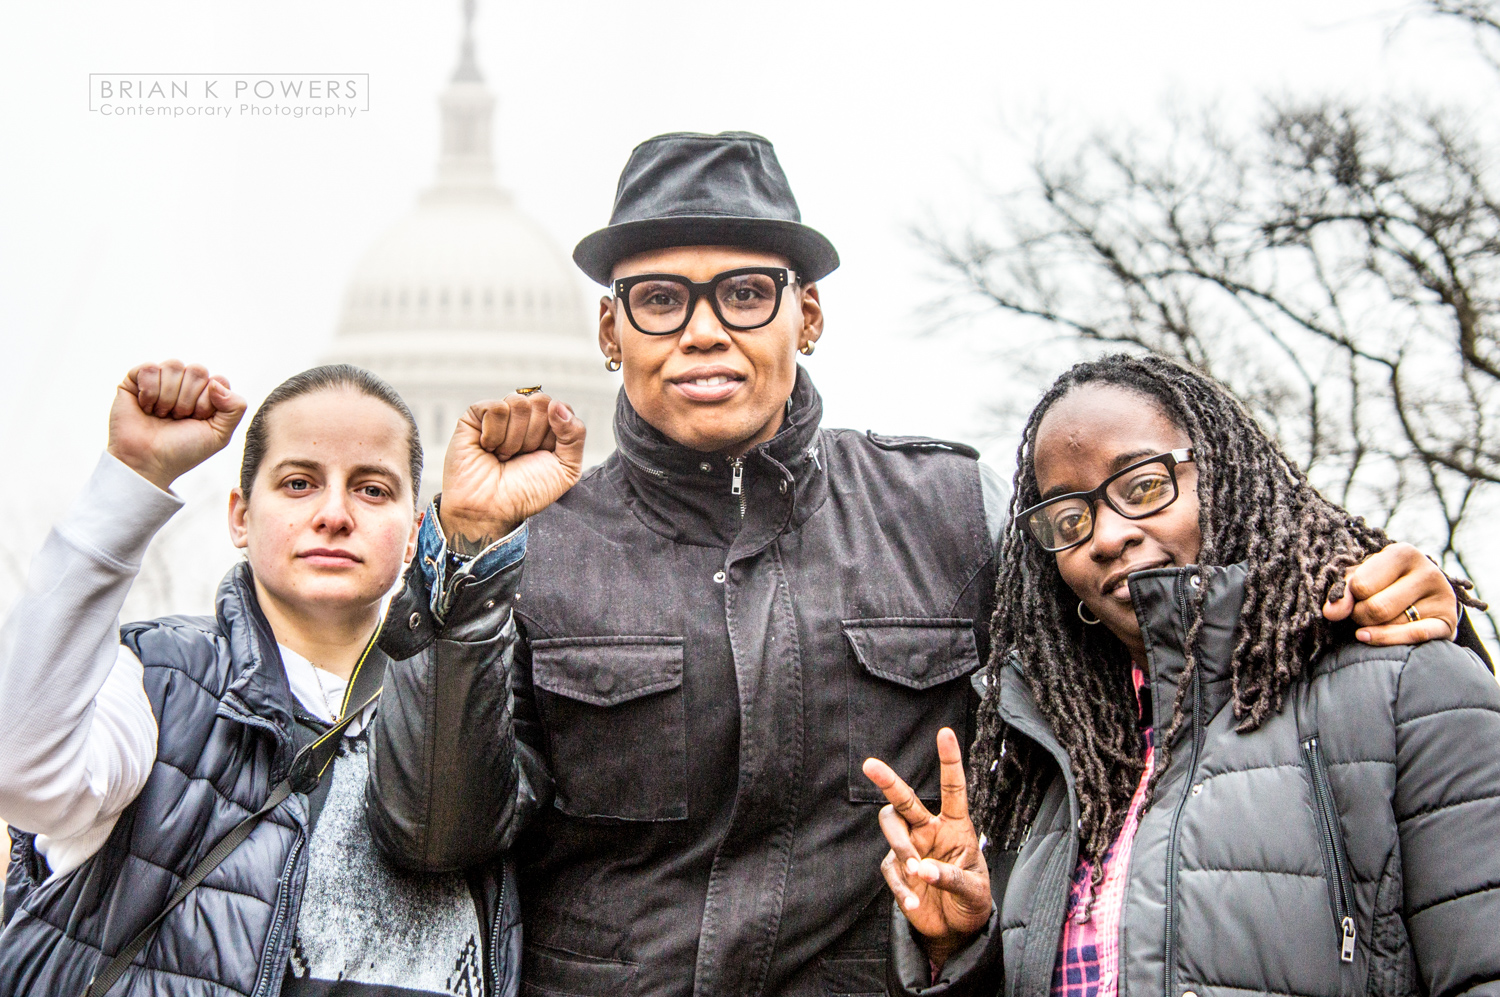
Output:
[[1412, 613], [529, 391]]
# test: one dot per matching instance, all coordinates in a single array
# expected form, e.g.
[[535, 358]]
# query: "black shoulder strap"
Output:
[[308, 768]]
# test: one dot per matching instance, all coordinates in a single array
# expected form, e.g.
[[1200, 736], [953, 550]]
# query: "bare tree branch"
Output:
[[1480, 15], [1339, 269]]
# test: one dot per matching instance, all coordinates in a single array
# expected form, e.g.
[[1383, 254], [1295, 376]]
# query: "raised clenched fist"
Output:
[[508, 459], [170, 417]]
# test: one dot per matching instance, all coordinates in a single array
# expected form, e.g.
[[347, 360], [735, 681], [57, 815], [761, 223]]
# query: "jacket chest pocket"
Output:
[[908, 686], [616, 731]]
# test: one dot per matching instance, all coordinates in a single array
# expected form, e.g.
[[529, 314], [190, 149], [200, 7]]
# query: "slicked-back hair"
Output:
[[1255, 506], [330, 377]]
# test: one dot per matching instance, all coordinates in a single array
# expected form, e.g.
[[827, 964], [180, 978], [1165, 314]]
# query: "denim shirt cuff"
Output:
[[446, 572]]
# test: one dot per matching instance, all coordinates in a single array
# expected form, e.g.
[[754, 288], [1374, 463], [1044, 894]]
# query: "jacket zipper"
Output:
[[274, 956], [1169, 966], [495, 985], [1335, 859], [737, 481]]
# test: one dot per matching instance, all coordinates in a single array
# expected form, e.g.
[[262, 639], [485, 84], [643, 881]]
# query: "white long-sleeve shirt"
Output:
[[79, 738]]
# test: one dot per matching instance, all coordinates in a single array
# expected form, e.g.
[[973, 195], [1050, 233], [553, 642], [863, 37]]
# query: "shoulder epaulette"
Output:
[[921, 443]]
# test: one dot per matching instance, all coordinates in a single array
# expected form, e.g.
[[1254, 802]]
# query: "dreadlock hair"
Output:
[[1255, 506]]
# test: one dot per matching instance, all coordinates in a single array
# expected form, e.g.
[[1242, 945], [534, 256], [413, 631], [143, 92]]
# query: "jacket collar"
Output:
[[1019, 711], [686, 495], [1161, 597], [259, 694]]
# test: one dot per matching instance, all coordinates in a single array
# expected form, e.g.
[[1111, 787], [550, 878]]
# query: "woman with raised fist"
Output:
[[186, 795]]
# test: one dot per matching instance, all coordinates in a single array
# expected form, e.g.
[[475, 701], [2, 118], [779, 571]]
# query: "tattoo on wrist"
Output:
[[467, 546]]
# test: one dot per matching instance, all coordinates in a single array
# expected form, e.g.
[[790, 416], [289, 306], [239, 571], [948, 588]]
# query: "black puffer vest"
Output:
[[224, 711], [712, 648]]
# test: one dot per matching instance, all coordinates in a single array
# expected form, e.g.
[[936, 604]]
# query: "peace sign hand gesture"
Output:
[[934, 867]]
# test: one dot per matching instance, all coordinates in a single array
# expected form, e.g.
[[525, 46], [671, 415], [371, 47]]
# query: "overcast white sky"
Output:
[[229, 241]]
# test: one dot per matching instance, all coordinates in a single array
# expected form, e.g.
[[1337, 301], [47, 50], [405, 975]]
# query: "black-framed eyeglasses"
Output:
[[660, 304], [1135, 492]]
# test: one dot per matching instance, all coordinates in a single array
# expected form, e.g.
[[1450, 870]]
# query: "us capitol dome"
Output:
[[466, 298]]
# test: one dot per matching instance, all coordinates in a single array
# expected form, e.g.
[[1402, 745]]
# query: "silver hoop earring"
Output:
[[611, 365], [1085, 619]]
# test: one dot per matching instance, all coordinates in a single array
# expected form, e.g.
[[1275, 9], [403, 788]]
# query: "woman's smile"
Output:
[[1117, 585], [708, 384]]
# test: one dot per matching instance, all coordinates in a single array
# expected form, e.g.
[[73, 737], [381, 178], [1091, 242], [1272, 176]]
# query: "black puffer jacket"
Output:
[[224, 711], [1350, 846], [710, 650]]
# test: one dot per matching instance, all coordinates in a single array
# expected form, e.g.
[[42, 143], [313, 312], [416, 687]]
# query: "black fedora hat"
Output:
[[688, 189]]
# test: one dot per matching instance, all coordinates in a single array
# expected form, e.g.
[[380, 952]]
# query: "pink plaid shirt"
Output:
[[1088, 954]]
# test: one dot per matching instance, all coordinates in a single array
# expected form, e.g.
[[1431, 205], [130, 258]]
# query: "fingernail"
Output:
[[1362, 635], [565, 412], [911, 903], [911, 867]]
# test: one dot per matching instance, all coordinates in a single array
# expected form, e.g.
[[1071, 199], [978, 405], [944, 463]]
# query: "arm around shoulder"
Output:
[[1447, 808]]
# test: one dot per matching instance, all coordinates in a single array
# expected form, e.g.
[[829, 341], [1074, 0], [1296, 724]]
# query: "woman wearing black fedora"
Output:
[[721, 622]]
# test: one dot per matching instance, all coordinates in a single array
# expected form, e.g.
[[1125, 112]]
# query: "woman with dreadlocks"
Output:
[[1189, 781]]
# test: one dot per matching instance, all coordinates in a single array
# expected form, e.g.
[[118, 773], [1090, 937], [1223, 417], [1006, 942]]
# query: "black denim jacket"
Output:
[[709, 651]]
